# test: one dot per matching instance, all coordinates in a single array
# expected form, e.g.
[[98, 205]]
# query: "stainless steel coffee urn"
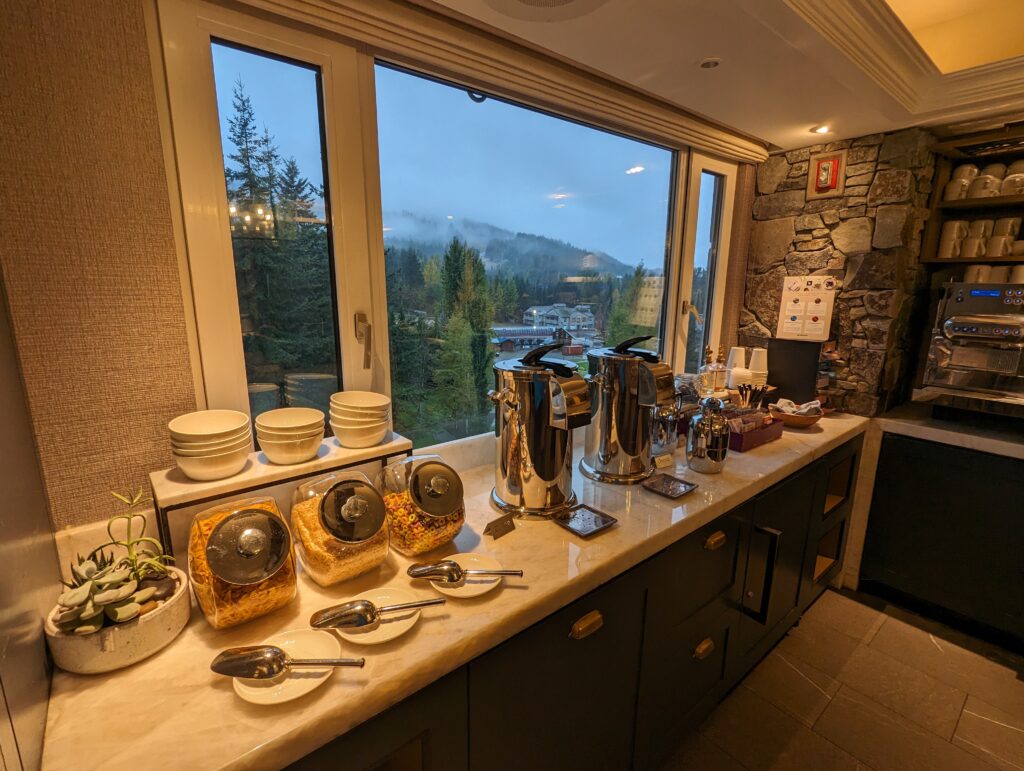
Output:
[[707, 443], [627, 386], [538, 402]]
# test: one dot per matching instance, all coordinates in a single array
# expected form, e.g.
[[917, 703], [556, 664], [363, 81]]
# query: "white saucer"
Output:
[[298, 644], [392, 625], [475, 585]]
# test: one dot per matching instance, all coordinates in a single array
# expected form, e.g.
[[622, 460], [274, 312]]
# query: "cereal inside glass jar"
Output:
[[424, 500], [340, 527]]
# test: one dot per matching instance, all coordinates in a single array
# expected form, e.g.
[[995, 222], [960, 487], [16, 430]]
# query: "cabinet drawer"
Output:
[[677, 673], [700, 570]]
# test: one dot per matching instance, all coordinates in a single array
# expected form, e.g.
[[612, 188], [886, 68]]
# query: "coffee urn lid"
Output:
[[248, 546]]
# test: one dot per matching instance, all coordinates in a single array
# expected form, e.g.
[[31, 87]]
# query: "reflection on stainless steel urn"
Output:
[[538, 402]]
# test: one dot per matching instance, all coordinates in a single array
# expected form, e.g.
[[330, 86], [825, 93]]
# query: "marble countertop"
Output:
[[171, 711], [915, 419]]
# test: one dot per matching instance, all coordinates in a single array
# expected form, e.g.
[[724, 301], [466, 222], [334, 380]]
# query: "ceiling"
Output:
[[960, 34], [786, 65]]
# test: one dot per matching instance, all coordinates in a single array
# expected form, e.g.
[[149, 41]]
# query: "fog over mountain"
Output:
[[502, 250]]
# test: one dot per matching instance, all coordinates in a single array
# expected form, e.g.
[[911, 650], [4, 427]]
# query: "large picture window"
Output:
[[349, 224], [505, 228]]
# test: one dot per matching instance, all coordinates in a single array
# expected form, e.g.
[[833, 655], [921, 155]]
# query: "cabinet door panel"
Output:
[[547, 700], [778, 534]]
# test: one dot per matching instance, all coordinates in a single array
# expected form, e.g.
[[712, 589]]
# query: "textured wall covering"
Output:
[[87, 248]]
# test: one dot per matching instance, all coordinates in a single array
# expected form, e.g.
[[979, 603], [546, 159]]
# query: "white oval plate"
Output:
[[298, 644], [473, 587], [392, 625]]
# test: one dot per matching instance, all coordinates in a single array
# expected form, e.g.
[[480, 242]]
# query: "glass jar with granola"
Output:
[[423, 496], [240, 561], [340, 524]]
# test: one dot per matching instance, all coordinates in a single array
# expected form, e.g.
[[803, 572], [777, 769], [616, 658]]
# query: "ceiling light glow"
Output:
[[821, 130], [710, 63], [635, 169], [558, 196]]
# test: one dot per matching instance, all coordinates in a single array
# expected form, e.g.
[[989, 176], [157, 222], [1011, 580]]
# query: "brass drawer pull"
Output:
[[587, 625], [715, 541], [704, 648]]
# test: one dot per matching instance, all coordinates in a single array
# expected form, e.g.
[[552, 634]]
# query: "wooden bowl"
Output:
[[795, 421]]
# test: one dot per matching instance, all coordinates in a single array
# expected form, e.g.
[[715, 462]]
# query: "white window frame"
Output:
[[187, 28], [699, 163], [193, 130]]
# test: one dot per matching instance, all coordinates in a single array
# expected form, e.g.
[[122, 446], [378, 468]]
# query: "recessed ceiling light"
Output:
[[635, 169], [821, 130], [558, 196], [710, 63], [451, 216]]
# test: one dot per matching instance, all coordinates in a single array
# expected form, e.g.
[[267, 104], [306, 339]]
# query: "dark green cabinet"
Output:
[[425, 732], [945, 531], [561, 695]]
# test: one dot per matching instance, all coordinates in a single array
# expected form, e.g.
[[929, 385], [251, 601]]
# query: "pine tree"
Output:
[[455, 394], [453, 271], [624, 302], [245, 185]]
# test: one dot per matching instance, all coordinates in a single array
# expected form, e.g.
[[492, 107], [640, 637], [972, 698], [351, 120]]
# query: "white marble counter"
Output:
[[914, 419], [170, 711]]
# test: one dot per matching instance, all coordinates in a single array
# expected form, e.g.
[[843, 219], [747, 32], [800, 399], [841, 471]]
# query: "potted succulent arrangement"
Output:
[[124, 601]]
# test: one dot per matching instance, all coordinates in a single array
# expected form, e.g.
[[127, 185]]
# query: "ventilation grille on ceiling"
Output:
[[545, 10]]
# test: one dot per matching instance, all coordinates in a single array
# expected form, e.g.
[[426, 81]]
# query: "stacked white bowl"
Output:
[[211, 444], [290, 434], [360, 418]]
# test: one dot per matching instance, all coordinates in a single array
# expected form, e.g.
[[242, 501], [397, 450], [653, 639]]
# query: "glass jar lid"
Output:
[[352, 511], [435, 488], [248, 546]]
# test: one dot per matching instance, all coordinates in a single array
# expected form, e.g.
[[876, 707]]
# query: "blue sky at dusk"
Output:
[[441, 155]]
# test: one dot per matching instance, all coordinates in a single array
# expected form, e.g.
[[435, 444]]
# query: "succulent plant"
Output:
[[104, 588]]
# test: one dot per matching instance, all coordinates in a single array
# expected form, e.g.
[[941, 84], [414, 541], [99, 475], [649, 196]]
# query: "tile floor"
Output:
[[863, 686]]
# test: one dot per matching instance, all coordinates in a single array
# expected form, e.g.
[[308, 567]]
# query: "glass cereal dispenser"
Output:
[[240, 561], [340, 524], [424, 502]]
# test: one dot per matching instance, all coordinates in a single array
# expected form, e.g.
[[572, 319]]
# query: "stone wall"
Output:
[[870, 238]]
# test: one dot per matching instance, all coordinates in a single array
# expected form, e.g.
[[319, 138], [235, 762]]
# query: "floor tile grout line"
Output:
[[988, 752], [959, 717]]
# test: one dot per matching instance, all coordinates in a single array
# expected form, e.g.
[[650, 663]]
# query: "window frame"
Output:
[[186, 28]]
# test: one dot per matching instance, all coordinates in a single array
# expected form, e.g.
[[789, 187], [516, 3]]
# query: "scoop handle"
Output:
[[410, 605], [494, 573], [326, 662]]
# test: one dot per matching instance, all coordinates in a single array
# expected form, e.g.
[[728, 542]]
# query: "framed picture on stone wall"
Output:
[[826, 174]]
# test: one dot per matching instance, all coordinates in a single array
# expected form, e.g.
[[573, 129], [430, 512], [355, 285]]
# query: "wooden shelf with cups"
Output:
[[977, 206]]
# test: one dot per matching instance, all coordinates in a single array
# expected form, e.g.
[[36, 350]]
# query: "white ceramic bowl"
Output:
[[293, 451], [210, 467], [360, 400], [287, 436], [205, 452], [337, 412], [290, 420], [356, 438], [364, 420], [213, 446], [207, 425]]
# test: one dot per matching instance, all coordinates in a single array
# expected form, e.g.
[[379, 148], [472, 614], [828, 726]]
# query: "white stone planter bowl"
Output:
[[122, 645]]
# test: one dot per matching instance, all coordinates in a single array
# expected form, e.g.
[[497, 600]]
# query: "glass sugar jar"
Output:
[[340, 524], [240, 561], [424, 500]]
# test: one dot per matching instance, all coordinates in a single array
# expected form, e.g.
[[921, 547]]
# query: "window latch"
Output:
[[687, 308], [364, 334]]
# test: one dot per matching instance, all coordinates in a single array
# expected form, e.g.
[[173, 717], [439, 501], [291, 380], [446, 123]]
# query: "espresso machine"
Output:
[[538, 402], [627, 386], [976, 355]]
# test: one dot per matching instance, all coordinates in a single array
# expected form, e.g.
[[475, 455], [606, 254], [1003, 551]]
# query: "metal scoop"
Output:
[[451, 573], [262, 662], [361, 614]]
